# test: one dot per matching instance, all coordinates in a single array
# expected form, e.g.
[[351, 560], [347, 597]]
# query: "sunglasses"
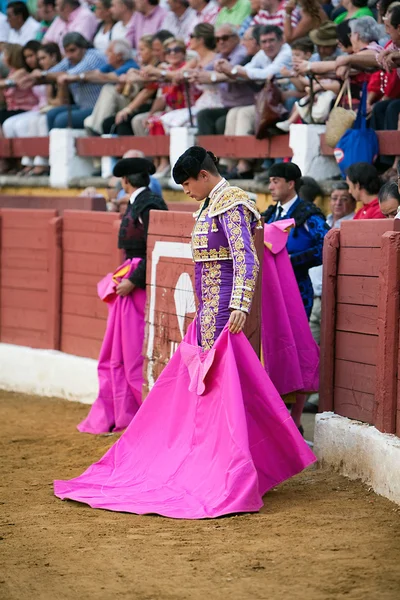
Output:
[[223, 38], [175, 50]]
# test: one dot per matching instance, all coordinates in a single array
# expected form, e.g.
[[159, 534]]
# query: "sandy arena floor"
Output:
[[319, 537]]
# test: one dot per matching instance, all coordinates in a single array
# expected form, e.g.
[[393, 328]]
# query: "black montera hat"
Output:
[[288, 171], [131, 166], [189, 164]]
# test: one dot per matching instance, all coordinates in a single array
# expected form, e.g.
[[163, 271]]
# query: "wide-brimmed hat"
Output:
[[325, 35]]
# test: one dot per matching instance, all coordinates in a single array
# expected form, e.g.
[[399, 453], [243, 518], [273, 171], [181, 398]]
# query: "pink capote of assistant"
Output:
[[120, 366], [291, 356], [211, 438]]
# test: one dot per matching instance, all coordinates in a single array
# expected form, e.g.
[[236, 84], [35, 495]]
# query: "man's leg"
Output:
[[108, 103], [207, 121], [53, 114], [78, 115]]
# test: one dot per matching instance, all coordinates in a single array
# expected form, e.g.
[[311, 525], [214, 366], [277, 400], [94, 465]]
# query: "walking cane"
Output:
[[187, 92]]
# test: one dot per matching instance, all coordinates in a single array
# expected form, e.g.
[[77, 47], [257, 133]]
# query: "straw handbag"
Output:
[[340, 119]]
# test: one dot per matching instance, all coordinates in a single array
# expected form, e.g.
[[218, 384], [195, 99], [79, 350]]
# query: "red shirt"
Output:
[[370, 211]]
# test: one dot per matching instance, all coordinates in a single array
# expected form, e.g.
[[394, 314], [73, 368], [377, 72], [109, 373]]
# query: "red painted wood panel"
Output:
[[59, 203], [30, 265], [356, 347], [355, 376], [354, 405], [156, 145], [366, 234], [30, 146], [359, 261], [359, 319], [357, 290], [89, 253]]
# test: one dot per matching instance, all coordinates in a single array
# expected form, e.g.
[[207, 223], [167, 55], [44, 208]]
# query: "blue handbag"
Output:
[[359, 144]]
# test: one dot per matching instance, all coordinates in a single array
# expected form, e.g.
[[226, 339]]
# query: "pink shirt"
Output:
[[81, 20], [145, 25], [18, 99]]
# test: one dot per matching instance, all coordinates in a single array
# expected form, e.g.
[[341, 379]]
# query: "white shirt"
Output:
[[261, 67], [119, 30], [181, 27], [136, 194], [26, 33], [4, 28], [329, 219], [102, 40], [286, 207], [216, 187]]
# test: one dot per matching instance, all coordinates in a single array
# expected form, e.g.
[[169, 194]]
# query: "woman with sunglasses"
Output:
[[202, 41], [170, 96]]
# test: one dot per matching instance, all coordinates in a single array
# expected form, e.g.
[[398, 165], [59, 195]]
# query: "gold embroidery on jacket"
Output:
[[210, 292]]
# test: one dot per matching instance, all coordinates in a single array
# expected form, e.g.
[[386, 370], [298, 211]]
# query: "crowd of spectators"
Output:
[[125, 67]]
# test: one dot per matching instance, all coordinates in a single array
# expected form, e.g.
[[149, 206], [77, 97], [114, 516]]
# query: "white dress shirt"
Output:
[[136, 194], [286, 207], [181, 27], [262, 67], [26, 33]]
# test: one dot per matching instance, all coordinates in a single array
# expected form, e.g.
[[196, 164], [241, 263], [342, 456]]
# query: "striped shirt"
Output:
[[84, 94], [263, 17]]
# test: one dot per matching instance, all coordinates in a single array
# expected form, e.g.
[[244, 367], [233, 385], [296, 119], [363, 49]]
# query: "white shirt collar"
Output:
[[136, 194], [287, 206], [216, 187]]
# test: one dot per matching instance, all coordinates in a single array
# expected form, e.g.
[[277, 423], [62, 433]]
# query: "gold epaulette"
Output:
[[228, 198]]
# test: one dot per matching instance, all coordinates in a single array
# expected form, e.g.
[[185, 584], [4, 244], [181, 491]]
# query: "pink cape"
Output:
[[120, 364], [291, 356], [211, 438]]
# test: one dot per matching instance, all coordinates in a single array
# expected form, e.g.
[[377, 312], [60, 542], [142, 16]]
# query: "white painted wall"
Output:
[[359, 451], [48, 373]]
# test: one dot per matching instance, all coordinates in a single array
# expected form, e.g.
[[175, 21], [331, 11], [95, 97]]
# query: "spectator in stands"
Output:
[[312, 17], [157, 45], [354, 10], [4, 30], [171, 96], [247, 23], [105, 28], [34, 123], [389, 199], [273, 12], [147, 20], [46, 13], [342, 205], [122, 12], [206, 11], [72, 17], [232, 12], [310, 189], [180, 19], [211, 121], [80, 58], [364, 37], [117, 105], [202, 42], [364, 185], [119, 61], [23, 27], [17, 99], [273, 56], [385, 114], [326, 40], [251, 41]]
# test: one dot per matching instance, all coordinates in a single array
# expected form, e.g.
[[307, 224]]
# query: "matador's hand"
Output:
[[124, 288], [237, 321]]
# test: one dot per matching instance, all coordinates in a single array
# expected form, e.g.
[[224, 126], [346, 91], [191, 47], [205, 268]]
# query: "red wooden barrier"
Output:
[[360, 322], [30, 266], [59, 203], [89, 253], [153, 145]]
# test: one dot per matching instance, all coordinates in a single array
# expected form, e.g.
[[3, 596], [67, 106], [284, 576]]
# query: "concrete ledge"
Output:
[[359, 451], [48, 373]]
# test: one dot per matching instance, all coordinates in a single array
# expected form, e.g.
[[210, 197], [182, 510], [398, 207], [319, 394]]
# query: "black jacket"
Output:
[[133, 231]]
